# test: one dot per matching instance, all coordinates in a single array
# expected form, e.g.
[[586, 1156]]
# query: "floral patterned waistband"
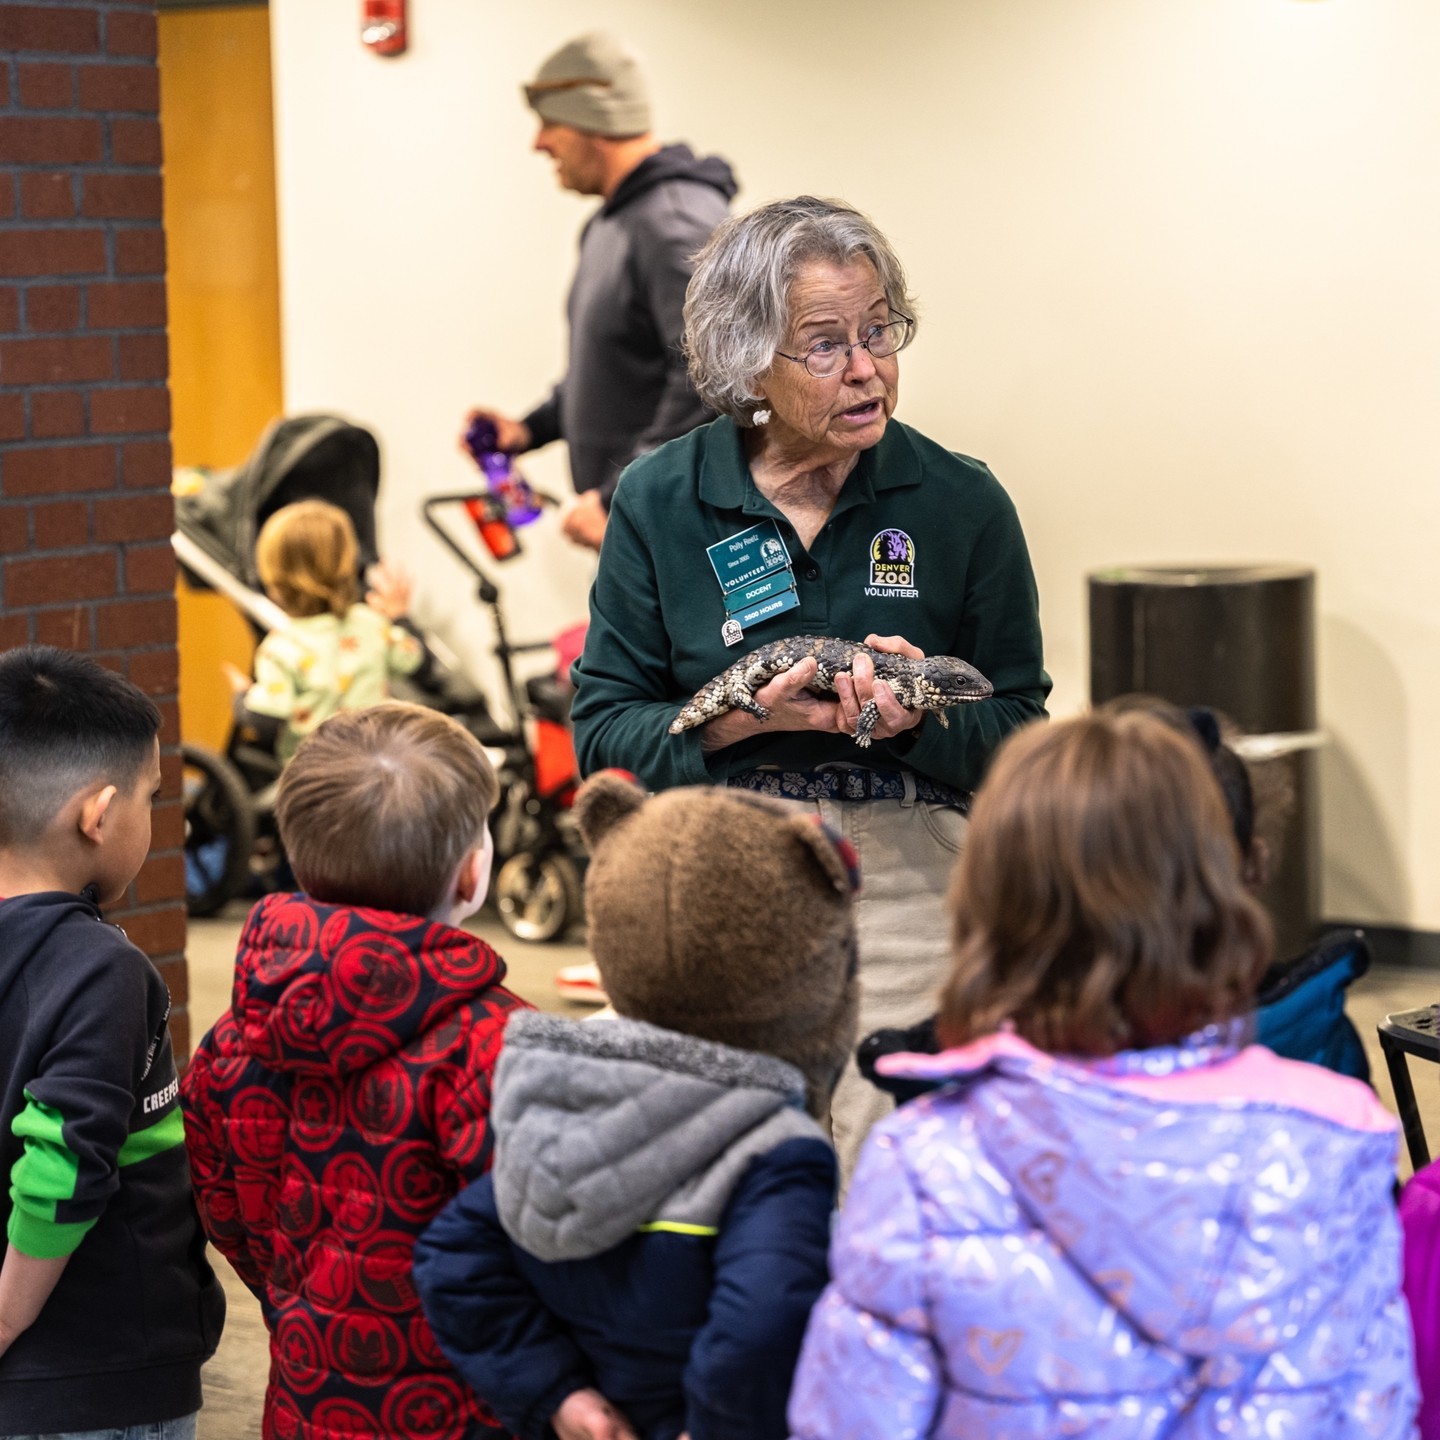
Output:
[[851, 782]]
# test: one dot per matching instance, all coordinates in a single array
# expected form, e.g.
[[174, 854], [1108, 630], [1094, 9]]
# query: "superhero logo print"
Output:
[[359, 1045], [424, 1346], [461, 1131], [228, 1058], [441, 1032], [330, 1274], [284, 1273], [382, 1102], [282, 1419], [317, 1112], [281, 937], [206, 1122], [255, 1195], [299, 1352], [426, 1407], [222, 1214], [297, 1210], [333, 933], [375, 976], [457, 960], [352, 1195], [256, 1125], [367, 919], [262, 1040], [385, 1272], [369, 1349], [414, 1184], [342, 1420], [303, 1011]]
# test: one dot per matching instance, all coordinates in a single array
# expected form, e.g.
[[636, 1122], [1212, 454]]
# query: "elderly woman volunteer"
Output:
[[794, 321]]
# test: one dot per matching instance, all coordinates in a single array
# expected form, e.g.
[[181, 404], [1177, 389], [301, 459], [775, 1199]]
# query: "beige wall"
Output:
[[1176, 260]]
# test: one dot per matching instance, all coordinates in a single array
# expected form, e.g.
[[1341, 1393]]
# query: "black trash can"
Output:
[[1240, 639]]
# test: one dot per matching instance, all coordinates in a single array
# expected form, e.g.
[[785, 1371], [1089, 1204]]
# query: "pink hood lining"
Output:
[[1255, 1075]]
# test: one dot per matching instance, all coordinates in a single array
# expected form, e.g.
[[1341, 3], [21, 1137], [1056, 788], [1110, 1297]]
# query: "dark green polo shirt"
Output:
[[656, 609]]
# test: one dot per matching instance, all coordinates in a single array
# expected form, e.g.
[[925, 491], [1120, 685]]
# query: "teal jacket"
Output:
[[656, 609]]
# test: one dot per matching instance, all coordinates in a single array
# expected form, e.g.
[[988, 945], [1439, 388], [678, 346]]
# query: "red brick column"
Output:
[[85, 507]]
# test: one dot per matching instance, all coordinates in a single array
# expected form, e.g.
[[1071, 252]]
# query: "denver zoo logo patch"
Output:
[[892, 566]]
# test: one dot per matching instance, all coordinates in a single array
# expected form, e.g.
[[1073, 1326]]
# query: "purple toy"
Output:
[[502, 480]]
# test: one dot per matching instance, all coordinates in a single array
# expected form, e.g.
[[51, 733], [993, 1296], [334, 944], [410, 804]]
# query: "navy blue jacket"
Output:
[[684, 1327]]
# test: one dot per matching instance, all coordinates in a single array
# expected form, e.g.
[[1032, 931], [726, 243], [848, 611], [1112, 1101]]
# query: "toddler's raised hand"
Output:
[[388, 589]]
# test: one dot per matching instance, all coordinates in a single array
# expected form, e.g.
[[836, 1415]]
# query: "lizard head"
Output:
[[953, 682]]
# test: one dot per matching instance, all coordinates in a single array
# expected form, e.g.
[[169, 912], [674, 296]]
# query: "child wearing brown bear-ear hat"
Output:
[[643, 1257]]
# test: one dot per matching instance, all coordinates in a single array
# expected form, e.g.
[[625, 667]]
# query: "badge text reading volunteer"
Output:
[[892, 567], [756, 578]]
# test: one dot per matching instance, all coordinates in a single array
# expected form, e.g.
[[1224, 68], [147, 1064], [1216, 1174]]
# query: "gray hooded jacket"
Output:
[[611, 1126], [655, 1226], [626, 389]]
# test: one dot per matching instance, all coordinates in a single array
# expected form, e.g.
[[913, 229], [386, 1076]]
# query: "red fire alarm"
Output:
[[382, 26]]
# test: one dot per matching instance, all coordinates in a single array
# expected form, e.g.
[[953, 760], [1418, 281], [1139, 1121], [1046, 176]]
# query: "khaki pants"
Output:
[[907, 850]]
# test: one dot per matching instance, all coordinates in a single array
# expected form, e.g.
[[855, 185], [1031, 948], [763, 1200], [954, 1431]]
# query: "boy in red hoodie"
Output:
[[345, 1096]]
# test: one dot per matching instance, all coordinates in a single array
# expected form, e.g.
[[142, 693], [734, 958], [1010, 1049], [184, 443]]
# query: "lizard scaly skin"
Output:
[[934, 683]]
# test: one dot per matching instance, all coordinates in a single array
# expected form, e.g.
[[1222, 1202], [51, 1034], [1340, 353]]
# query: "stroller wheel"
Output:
[[219, 830], [538, 896]]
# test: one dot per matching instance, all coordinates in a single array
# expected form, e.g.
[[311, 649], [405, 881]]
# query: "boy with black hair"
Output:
[[107, 1305]]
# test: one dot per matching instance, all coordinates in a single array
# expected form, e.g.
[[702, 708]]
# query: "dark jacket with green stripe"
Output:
[[656, 609], [92, 1155]]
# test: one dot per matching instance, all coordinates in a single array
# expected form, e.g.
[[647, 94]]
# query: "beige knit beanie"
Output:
[[595, 84]]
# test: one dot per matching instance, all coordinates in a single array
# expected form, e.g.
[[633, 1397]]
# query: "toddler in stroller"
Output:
[[231, 842], [337, 653]]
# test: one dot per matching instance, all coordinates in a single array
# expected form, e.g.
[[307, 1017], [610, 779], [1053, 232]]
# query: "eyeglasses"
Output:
[[826, 357]]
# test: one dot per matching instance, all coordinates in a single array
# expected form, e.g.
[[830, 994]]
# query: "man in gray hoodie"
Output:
[[625, 390]]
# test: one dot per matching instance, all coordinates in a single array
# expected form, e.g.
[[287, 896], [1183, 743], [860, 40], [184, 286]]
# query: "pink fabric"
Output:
[[1258, 1075], [964, 1059], [1255, 1075], [567, 645], [1420, 1220]]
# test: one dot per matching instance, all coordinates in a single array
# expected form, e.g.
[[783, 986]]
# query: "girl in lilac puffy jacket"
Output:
[[1112, 1220]]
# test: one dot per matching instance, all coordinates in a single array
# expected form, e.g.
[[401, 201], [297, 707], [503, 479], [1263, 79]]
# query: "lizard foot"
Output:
[[865, 725]]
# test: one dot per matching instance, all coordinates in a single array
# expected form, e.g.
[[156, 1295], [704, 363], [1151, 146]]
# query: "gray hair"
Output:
[[737, 307]]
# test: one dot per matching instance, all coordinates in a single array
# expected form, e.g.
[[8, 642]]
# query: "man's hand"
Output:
[[511, 436], [791, 707], [588, 1415], [857, 689], [584, 519]]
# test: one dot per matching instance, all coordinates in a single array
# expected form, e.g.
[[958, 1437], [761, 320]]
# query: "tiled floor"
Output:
[[235, 1379]]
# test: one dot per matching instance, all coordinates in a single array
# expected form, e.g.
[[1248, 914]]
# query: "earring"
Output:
[[760, 417]]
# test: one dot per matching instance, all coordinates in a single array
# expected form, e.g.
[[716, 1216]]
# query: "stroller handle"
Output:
[[260, 608], [489, 594]]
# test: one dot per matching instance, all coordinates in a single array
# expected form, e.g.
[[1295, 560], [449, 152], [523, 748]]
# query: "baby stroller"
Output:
[[231, 842]]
